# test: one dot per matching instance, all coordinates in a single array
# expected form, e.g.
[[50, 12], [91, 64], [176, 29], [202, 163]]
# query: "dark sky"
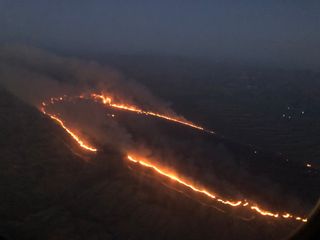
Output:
[[280, 32]]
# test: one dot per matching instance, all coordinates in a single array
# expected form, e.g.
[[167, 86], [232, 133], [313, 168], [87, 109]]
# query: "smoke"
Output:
[[34, 74]]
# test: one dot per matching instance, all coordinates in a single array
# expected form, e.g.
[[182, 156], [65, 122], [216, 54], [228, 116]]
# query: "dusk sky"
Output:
[[277, 32], [159, 119]]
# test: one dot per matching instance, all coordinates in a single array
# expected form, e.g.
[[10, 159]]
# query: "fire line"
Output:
[[108, 101], [205, 192], [157, 169], [72, 134]]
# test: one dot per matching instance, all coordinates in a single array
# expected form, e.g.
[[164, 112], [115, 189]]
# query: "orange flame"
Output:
[[107, 101], [72, 134], [205, 192]]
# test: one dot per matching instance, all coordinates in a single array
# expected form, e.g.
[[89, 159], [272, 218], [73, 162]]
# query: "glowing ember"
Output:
[[205, 192]]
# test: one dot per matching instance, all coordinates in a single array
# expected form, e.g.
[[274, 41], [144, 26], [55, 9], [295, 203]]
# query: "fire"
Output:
[[108, 101], [72, 134], [207, 193], [147, 164], [264, 213]]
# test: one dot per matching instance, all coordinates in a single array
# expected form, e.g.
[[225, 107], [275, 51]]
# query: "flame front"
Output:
[[208, 194], [108, 101], [147, 164], [72, 134]]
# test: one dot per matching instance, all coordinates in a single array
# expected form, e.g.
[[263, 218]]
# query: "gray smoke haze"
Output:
[[34, 75]]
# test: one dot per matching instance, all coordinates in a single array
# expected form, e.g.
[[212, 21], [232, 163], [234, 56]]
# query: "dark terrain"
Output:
[[51, 189], [243, 102], [48, 192]]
